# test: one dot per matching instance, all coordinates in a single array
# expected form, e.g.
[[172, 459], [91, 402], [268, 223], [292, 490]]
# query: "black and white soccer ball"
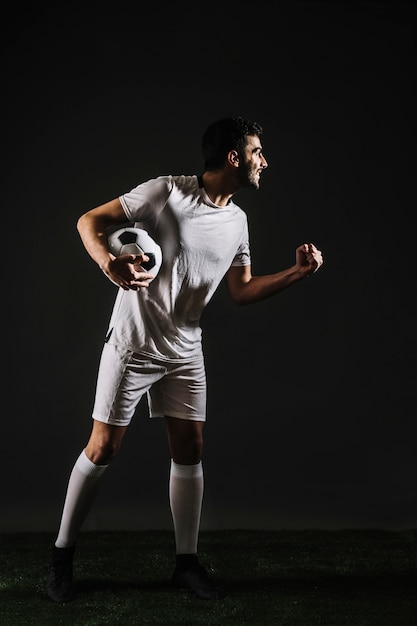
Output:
[[131, 240]]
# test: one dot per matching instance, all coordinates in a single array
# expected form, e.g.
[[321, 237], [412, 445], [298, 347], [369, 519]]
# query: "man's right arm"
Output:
[[92, 228]]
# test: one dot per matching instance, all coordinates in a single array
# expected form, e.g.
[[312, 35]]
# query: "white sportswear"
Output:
[[199, 242]]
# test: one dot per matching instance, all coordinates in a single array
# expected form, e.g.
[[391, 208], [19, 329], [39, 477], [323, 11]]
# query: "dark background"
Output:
[[312, 394]]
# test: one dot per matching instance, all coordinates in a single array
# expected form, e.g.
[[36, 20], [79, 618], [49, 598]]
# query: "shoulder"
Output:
[[186, 183], [165, 184]]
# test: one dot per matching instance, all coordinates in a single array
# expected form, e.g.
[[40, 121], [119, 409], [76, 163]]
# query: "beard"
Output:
[[247, 177]]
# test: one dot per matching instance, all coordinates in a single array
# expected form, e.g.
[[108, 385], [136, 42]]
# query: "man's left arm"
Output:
[[244, 288]]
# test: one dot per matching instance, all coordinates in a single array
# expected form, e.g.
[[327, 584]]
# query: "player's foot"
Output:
[[59, 585], [196, 580]]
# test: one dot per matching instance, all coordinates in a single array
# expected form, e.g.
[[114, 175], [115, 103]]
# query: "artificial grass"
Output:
[[272, 578]]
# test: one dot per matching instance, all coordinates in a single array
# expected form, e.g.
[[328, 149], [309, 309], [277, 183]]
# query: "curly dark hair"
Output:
[[224, 135]]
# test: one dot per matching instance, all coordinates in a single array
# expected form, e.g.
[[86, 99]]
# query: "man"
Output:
[[153, 346]]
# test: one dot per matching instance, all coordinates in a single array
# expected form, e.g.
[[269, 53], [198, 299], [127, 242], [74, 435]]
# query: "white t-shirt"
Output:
[[199, 242]]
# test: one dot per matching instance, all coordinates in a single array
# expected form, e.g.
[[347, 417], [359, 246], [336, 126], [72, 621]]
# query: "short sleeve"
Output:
[[146, 200]]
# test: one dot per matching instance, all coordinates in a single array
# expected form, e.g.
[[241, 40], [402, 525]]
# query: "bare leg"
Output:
[[186, 487], [185, 439], [186, 482], [83, 485], [85, 479]]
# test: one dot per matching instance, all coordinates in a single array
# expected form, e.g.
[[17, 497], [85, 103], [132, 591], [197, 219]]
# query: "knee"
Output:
[[188, 451], [192, 454], [185, 440], [102, 451], [104, 443]]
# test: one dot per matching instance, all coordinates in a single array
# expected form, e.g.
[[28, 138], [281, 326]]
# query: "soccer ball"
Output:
[[131, 240]]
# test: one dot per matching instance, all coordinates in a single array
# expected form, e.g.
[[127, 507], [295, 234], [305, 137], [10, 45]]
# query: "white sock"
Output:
[[186, 485], [82, 489]]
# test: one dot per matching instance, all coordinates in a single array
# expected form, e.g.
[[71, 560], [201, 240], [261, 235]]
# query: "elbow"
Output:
[[240, 295], [240, 300], [80, 224], [84, 225]]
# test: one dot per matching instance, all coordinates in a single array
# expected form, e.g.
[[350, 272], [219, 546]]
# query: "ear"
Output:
[[233, 158]]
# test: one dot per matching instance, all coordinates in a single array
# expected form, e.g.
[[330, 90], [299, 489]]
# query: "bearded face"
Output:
[[248, 174], [251, 163]]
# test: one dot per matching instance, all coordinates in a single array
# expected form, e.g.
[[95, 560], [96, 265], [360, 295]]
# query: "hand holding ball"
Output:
[[132, 240]]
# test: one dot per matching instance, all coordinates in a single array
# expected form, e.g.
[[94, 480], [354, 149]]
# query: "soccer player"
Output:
[[153, 346]]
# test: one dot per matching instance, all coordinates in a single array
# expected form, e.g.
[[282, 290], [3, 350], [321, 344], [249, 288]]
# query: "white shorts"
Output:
[[173, 389]]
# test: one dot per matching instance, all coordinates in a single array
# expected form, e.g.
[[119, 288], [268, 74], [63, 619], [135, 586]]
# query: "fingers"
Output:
[[140, 281], [129, 274], [134, 281], [313, 256], [137, 259]]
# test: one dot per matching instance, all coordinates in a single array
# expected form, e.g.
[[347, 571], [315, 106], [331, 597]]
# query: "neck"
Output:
[[219, 187]]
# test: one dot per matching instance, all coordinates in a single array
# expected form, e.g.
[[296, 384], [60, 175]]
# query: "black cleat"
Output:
[[59, 585], [196, 580]]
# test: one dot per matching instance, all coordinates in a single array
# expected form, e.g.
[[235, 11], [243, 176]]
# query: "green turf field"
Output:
[[272, 578]]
